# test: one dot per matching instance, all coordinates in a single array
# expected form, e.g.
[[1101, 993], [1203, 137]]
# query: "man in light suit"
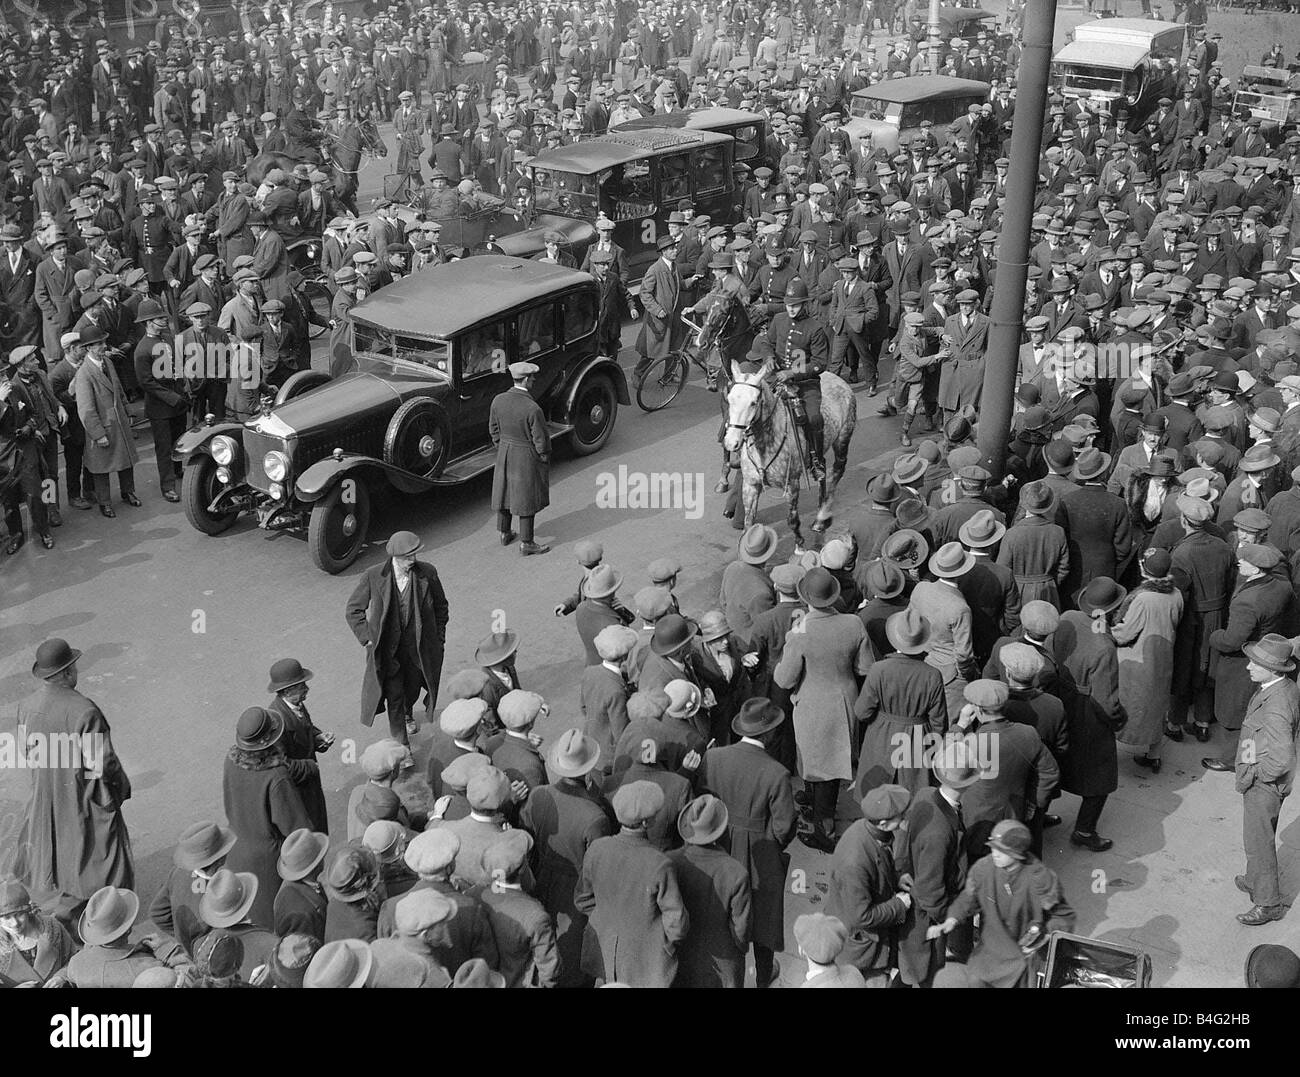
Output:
[[853, 308], [659, 292]]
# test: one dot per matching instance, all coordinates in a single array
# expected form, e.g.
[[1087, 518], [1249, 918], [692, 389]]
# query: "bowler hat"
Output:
[[302, 850], [496, 648], [671, 633], [756, 716], [258, 729], [286, 673], [702, 821], [1273, 652], [228, 897], [1271, 965], [202, 844], [1101, 595], [108, 914], [53, 656]]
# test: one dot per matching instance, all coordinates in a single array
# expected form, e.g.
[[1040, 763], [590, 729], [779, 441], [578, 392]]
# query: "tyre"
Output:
[[418, 439], [595, 409], [299, 383], [199, 487], [663, 380], [336, 532]]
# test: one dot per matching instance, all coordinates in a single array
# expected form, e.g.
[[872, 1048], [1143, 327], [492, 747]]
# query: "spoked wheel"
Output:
[[663, 380]]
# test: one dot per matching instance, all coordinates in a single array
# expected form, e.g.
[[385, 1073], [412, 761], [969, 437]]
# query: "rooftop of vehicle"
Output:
[[915, 88], [619, 147]]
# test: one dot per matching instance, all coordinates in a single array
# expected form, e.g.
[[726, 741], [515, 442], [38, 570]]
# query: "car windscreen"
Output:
[[434, 355], [1088, 77], [571, 194]]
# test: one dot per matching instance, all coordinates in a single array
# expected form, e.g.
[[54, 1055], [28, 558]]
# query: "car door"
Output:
[[483, 371]]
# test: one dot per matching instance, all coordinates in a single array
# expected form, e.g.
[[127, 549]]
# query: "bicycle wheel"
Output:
[[663, 380]]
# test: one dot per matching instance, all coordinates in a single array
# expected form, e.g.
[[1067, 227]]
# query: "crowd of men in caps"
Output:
[[957, 655]]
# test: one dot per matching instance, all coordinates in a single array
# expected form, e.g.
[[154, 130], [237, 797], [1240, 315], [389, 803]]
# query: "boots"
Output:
[[906, 439]]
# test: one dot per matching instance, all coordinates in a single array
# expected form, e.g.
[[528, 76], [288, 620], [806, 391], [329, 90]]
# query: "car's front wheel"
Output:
[[199, 488], [339, 523], [594, 410]]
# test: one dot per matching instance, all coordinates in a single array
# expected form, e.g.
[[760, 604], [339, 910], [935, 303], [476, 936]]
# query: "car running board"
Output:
[[476, 463]]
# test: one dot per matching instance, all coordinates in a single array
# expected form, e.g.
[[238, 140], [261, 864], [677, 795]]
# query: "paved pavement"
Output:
[[178, 630]]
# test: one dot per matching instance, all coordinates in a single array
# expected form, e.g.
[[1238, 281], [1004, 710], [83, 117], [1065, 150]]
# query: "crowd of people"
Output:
[[944, 666]]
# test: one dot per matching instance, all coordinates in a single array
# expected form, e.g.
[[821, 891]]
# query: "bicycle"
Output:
[[658, 385]]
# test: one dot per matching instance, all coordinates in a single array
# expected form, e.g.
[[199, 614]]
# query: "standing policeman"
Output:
[[521, 482]]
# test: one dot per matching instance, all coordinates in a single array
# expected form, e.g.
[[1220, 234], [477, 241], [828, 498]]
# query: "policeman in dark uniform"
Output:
[[767, 289], [801, 350]]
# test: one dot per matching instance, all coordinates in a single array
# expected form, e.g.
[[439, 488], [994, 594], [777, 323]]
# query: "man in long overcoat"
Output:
[[628, 889], [1096, 523], [399, 613], [101, 406], [759, 798], [521, 481], [301, 740], [74, 839]]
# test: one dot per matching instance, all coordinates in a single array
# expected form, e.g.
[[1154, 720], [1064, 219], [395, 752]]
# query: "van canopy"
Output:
[[1097, 54]]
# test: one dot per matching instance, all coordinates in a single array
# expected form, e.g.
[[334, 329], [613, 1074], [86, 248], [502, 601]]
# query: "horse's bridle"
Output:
[[758, 388]]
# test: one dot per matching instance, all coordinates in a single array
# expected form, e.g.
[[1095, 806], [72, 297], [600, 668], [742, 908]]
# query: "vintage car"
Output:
[[409, 408], [636, 178], [1271, 94], [749, 129], [1121, 63], [893, 110], [967, 23]]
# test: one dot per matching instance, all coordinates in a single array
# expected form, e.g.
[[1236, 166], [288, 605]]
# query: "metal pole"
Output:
[[936, 43], [1008, 307]]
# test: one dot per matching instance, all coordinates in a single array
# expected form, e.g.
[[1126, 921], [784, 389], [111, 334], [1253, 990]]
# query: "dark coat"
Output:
[[592, 615], [527, 955], [1021, 781], [864, 895], [564, 819], [1037, 553], [991, 591], [1262, 605], [902, 699], [628, 890], [263, 807], [715, 889], [1088, 660], [661, 831], [175, 908], [368, 617], [760, 805], [73, 839], [745, 592], [518, 759], [299, 743], [932, 854], [603, 705], [1203, 567], [300, 909], [1046, 713], [1100, 538], [521, 481], [466, 935]]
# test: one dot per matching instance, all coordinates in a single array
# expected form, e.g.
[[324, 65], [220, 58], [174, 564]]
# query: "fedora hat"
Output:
[[913, 514], [53, 656], [228, 897], [286, 673], [403, 544], [702, 821], [342, 963], [818, 588], [602, 582], [757, 544], [1273, 652], [955, 766], [1091, 464], [258, 729], [351, 874], [883, 490], [1259, 458], [906, 547], [496, 648], [951, 560], [756, 716], [908, 468], [108, 914], [302, 850], [672, 632], [908, 631], [1101, 595], [202, 844], [982, 530], [1038, 498], [573, 754], [884, 579]]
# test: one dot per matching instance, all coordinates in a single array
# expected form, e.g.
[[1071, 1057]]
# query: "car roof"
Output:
[[619, 147], [922, 88], [953, 15], [1127, 31], [1109, 54], [707, 119], [448, 299]]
